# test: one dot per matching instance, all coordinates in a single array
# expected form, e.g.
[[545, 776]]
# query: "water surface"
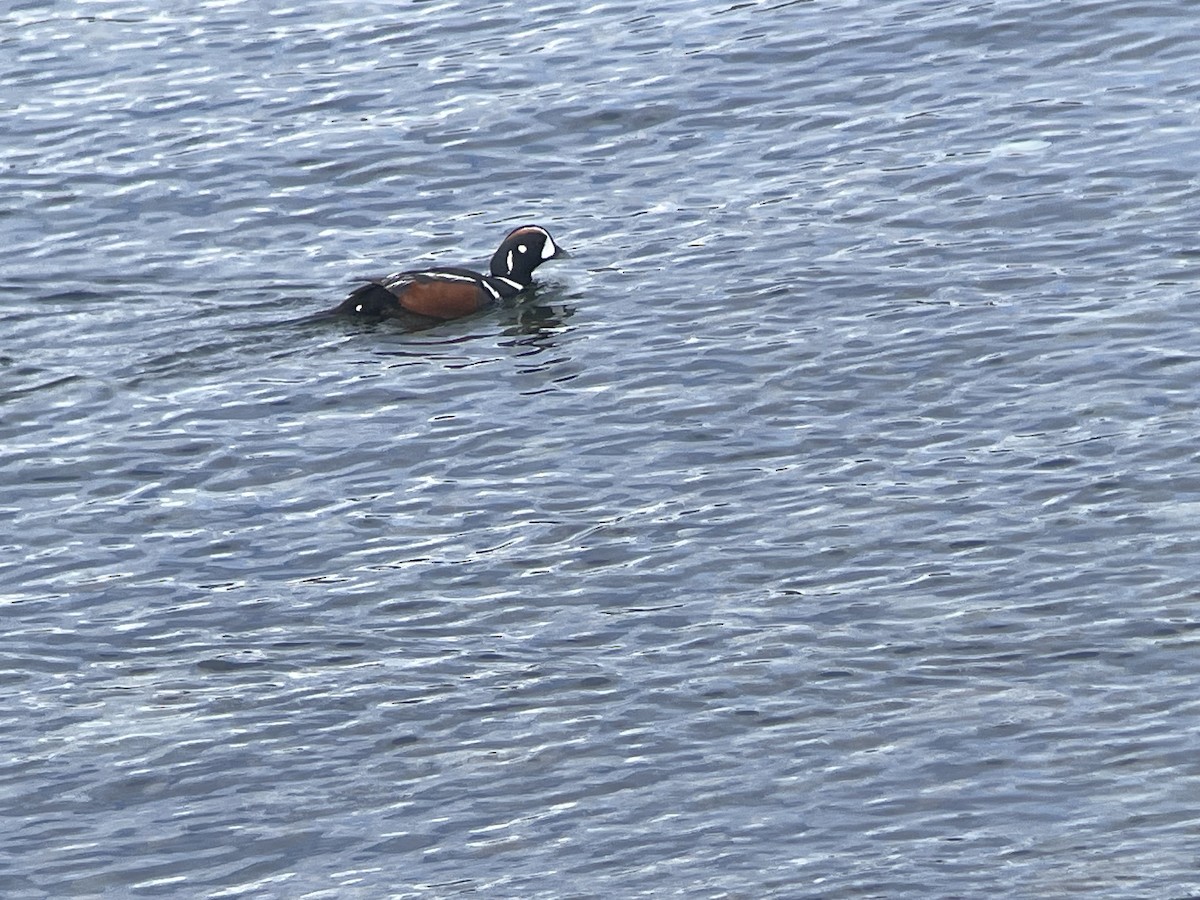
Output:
[[825, 527]]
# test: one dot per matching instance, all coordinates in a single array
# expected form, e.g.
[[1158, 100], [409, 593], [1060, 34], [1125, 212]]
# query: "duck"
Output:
[[441, 293]]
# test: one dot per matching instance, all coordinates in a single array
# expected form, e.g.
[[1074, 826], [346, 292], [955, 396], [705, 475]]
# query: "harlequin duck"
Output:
[[446, 292]]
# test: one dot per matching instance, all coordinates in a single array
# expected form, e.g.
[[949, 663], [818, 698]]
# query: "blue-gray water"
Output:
[[825, 527]]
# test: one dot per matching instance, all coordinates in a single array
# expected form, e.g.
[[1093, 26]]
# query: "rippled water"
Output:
[[822, 528]]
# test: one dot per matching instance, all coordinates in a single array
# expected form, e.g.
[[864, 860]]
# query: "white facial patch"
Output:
[[548, 249], [522, 249]]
